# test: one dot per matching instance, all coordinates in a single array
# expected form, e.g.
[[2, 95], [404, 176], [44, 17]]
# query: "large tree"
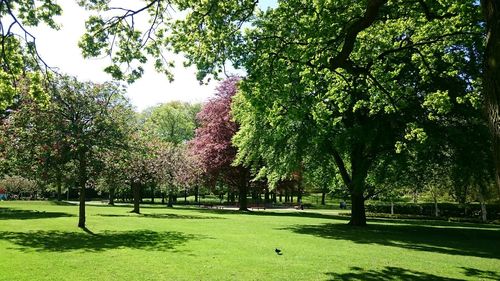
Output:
[[351, 79], [491, 11]]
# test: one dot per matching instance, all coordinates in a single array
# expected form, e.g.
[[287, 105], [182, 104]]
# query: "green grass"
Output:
[[40, 241]]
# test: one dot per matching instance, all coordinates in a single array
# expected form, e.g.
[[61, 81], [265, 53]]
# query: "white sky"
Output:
[[59, 49]]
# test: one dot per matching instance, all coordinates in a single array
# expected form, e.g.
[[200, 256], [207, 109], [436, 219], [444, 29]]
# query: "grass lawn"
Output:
[[40, 241]]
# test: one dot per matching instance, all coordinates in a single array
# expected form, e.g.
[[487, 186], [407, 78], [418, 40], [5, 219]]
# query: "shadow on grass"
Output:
[[270, 213], [60, 241], [481, 274], [453, 241], [162, 216], [387, 273], [62, 203], [16, 214], [317, 215]]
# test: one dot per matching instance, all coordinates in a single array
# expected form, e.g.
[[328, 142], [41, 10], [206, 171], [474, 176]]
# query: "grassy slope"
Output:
[[39, 241]]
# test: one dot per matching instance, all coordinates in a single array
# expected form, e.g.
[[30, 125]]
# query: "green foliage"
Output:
[[115, 32], [81, 123], [19, 185], [21, 67], [446, 210], [173, 122]]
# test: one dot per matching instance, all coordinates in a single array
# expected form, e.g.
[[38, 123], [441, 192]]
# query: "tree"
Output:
[[491, 83], [87, 119], [339, 71], [21, 67], [33, 145], [173, 122], [114, 172], [353, 94], [212, 144], [188, 172]]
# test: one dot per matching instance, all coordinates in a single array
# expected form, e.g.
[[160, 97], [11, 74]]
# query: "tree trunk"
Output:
[[266, 197], [136, 189], [323, 196], [162, 198], [112, 196], [355, 182], [491, 80], [59, 188], [281, 196], [358, 214], [232, 197], [484, 217], [436, 209], [81, 215], [196, 191], [185, 196], [170, 203], [152, 193], [392, 208], [82, 181], [243, 190]]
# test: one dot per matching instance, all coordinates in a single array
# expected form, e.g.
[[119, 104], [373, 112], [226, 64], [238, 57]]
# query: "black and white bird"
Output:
[[278, 251]]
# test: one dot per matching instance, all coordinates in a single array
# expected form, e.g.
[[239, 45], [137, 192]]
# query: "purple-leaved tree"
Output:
[[212, 143]]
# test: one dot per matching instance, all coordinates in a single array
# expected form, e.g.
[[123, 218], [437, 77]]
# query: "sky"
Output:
[[59, 49]]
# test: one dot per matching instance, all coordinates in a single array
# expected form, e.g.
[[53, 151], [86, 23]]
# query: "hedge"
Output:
[[471, 210]]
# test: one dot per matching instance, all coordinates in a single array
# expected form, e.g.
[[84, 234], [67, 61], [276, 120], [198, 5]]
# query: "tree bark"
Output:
[[484, 214], [82, 181], [491, 77], [232, 197], [323, 196], [152, 193], [436, 208], [136, 189], [111, 196], [243, 190], [196, 191], [59, 188], [170, 203], [355, 182], [358, 213], [299, 193], [392, 207]]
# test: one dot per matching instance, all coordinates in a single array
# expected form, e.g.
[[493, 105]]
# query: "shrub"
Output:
[[472, 210], [19, 185]]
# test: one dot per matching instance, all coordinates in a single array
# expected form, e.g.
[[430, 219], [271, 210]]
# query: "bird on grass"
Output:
[[278, 251]]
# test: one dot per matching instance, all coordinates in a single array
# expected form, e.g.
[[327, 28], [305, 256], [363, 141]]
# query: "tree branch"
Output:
[[352, 32]]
